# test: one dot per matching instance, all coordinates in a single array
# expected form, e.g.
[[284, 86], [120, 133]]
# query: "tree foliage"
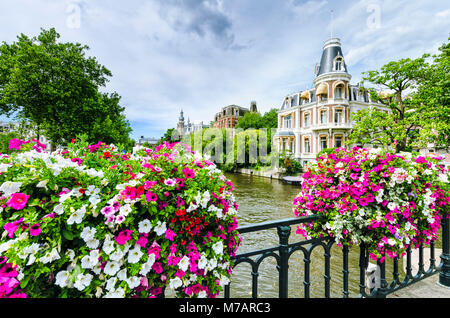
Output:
[[57, 87], [416, 93]]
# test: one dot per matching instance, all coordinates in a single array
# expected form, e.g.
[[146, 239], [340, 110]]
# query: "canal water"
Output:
[[263, 199]]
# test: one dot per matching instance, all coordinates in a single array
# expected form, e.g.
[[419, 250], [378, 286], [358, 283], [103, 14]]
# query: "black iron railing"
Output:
[[283, 251]]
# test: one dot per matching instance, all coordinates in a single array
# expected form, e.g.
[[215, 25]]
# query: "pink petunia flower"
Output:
[[170, 234], [18, 201], [35, 229], [151, 196], [189, 173], [12, 227], [124, 237]]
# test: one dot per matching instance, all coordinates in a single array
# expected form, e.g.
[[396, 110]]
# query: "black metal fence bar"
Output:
[[284, 250], [444, 274]]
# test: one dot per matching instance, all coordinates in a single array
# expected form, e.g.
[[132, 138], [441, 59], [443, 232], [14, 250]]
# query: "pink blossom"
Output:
[[170, 235], [11, 228], [189, 173], [157, 268], [151, 196], [124, 237], [18, 201], [35, 229], [142, 241]]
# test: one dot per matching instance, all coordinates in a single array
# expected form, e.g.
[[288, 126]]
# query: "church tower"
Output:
[[180, 125]]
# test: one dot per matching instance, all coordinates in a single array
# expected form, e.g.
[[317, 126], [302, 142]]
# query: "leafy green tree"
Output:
[[432, 98], [250, 120], [403, 128], [57, 87], [270, 119]]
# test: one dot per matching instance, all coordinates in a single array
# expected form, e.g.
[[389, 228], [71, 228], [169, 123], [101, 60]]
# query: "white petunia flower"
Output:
[[134, 282], [42, 184], [144, 226], [122, 275], [118, 293], [160, 228], [9, 187], [88, 233], [147, 266], [83, 281], [218, 248], [108, 246], [202, 262], [134, 255], [183, 264], [111, 268], [175, 283], [58, 209], [62, 278]]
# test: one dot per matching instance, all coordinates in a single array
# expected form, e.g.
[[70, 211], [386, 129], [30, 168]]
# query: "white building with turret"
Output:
[[320, 117]]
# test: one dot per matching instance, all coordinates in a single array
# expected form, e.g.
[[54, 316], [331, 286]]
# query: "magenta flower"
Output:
[[35, 229], [157, 268], [11, 228], [18, 201], [16, 143], [142, 241], [124, 237], [170, 235], [151, 196], [154, 249], [189, 173]]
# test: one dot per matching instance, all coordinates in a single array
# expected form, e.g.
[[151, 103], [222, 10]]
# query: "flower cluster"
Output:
[[94, 221], [383, 200], [9, 280]]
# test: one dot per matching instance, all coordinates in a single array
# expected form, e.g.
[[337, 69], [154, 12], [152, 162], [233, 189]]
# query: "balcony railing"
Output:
[[284, 250]]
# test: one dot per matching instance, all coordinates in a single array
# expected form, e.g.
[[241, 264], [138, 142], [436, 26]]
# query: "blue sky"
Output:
[[201, 55]]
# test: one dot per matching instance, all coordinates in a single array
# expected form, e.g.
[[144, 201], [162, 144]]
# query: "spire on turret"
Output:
[[181, 116]]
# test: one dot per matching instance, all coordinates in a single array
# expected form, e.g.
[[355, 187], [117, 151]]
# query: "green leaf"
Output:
[[67, 235]]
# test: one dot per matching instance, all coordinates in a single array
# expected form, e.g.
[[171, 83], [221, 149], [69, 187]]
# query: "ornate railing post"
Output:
[[283, 266], [444, 272]]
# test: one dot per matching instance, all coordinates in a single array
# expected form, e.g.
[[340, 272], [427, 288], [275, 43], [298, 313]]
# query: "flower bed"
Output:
[[92, 221], [385, 201]]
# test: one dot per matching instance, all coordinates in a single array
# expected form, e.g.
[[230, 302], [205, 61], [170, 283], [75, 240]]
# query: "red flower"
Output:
[[107, 154]]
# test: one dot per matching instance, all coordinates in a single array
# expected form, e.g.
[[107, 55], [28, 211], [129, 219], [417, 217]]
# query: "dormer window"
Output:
[[339, 64]]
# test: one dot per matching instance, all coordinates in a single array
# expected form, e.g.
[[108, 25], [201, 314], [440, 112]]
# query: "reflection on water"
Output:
[[263, 199]]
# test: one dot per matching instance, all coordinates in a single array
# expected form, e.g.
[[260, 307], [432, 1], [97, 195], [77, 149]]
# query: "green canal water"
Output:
[[263, 199]]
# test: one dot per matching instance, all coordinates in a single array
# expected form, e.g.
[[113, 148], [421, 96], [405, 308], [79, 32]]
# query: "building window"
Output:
[[307, 120], [338, 91], [338, 141], [307, 145], [339, 63], [323, 117], [323, 143], [338, 116], [287, 122]]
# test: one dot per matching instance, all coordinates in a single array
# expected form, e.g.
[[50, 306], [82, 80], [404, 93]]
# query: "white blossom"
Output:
[[144, 226]]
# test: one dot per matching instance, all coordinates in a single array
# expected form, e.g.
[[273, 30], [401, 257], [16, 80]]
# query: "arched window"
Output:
[[339, 91], [339, 63]]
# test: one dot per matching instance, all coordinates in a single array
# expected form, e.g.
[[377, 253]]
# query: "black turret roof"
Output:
[[331, 50]]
